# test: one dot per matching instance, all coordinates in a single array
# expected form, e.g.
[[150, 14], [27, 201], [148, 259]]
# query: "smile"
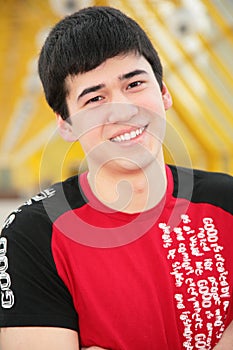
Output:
[[129, 135]]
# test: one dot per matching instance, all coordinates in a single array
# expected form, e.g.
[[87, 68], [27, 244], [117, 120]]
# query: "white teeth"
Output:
[[133, 134], [128, 136]]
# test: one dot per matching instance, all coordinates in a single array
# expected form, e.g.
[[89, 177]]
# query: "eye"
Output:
[[94, 99], [135, 84]]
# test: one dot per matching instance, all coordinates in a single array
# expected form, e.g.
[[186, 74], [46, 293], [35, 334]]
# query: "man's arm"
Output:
[[226, 342], [38, 338]]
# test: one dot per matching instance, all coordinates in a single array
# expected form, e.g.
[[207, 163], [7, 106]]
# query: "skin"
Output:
[[128, 98], [120, 105], [226, 342]]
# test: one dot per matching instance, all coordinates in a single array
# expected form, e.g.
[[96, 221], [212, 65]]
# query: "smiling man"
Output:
[[117, 111], [132, 254]]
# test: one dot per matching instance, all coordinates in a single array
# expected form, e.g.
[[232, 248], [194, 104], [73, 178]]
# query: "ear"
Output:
[[65, 129], [166, 96]]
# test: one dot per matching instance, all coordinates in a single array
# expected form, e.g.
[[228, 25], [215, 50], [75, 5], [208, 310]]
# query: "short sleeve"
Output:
[[32, 293]]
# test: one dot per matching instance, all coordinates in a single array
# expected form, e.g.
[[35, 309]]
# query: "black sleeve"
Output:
[[32, 293], [204, 186]]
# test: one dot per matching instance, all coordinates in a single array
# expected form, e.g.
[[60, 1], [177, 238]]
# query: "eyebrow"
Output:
[[132, 74], [90, 89], [125, 76]]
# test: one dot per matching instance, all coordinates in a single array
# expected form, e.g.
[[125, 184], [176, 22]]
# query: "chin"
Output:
[[134, 164]]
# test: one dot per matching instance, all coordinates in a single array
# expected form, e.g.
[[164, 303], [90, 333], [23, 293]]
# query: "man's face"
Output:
[[118, 113]]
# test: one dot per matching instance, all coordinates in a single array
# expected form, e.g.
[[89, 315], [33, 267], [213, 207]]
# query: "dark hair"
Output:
[[82, 41]]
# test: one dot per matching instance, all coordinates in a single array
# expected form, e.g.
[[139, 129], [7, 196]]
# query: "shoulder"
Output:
[[45, 207], [204, 186], [34, 292]]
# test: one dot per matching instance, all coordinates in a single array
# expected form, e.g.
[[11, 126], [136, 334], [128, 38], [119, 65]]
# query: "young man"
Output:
[[133, 254]]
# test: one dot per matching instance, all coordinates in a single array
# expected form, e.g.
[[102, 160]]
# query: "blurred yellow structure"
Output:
[[194, 39]]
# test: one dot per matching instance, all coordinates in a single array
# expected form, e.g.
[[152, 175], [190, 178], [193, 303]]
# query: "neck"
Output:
[[129, 191]]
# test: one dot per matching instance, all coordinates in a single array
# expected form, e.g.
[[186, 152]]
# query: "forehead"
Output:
[[112, 68]]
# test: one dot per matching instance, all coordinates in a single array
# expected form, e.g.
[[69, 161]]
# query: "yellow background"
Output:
[[195, 42]]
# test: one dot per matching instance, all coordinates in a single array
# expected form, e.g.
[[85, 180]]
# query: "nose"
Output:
[[121, 112]]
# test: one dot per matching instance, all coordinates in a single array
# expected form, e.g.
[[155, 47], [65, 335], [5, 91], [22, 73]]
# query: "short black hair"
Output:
[[82, 41]]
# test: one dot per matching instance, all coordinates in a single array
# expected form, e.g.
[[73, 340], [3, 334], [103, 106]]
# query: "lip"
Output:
[[125, 133]]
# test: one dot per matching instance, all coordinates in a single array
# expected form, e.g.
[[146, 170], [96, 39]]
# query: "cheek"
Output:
[[90, 138], [157, 104], [85, 125], [89, 121], [152, 102]]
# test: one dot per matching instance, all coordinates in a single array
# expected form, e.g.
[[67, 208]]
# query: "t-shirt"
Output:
[[160, 279]]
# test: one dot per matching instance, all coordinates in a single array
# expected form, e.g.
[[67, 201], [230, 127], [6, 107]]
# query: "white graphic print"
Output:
[[11, 218], [7, 296], [50, 192], [201, 286]]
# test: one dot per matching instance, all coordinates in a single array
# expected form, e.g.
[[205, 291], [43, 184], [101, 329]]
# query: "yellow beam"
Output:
[[217, 61], [218, 19], [101, 3], [213, 141], [221, 104]]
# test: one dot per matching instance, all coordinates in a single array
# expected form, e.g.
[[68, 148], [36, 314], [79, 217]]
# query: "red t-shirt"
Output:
[[161, 279]]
